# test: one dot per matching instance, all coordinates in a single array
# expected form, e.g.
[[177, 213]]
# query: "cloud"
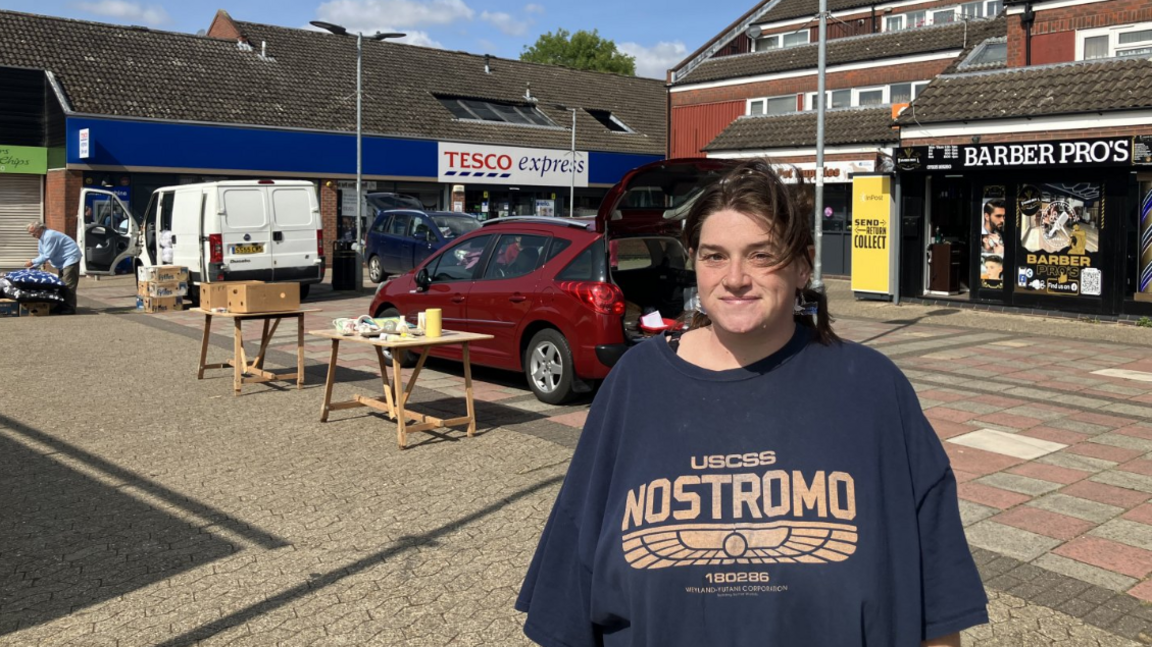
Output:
[[654, 62], [126, 11], [533, 8], [505, 23], [368, 15]]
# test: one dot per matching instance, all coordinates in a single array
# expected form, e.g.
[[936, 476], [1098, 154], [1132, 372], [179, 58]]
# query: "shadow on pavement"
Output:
[[68, 541], [324, 580], [901, 324]]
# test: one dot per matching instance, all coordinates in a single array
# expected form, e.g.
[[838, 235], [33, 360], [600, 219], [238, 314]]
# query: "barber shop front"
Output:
[[1050, 225]]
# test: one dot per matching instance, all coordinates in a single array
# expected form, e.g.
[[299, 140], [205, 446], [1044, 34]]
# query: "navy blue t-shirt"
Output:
[[801, 500]]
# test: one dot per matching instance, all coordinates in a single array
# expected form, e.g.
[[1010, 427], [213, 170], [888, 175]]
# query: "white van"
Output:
[[239, 230]]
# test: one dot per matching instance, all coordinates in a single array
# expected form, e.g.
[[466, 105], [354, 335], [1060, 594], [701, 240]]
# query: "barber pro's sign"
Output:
[[477, 164]]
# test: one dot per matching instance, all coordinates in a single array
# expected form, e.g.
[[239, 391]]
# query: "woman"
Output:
[[756, 481]]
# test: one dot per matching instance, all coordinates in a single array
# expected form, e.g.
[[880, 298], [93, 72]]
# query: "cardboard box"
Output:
[[35, 309], [153, 305], [161, 273], [263, 297], [9, 308], [156, 289], [215, 295]]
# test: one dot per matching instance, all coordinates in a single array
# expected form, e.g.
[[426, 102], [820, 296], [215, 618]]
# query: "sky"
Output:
[[659, 33]]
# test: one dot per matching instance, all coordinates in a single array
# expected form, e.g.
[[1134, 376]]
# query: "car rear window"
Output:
[[516, 255], [291, 207], [453, 226], [558, 245], [589, 265], [244, 208]]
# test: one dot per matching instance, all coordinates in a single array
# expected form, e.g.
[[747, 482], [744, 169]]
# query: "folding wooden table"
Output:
[[241, 369], [396, 394]]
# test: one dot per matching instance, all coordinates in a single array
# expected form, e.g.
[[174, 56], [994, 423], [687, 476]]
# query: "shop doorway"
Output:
[[948, 268]]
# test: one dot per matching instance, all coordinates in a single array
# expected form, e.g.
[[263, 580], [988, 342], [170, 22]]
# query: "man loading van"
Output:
[[63, 253]]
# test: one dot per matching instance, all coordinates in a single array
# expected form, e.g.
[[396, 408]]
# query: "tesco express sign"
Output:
[[478, 164]]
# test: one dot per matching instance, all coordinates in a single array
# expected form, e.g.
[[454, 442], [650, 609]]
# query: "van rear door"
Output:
[[295, 221], [246, 233]]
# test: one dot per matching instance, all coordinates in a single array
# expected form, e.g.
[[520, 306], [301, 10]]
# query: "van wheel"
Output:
[[407, 358], [548, 367], [305, 288], [375, 270]]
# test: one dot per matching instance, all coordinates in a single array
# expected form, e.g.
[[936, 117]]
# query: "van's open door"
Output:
[[106, 233]]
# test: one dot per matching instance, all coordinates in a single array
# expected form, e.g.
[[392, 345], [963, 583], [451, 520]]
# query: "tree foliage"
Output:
[[582, 50]]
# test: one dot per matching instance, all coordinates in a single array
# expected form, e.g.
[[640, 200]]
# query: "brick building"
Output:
[[751, 90], [1029, 179], [92, 104]]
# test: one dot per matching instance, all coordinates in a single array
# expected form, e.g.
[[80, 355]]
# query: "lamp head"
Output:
[[335, 29], [383, 35]]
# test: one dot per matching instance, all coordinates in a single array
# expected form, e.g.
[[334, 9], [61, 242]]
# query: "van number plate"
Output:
[[248, 249]]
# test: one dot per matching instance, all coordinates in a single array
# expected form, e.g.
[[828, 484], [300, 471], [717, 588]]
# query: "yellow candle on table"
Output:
[[432, 322]]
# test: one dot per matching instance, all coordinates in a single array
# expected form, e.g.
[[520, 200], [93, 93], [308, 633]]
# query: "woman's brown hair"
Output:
[[753, 188]]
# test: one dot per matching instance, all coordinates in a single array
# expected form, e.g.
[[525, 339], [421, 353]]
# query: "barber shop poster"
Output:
[[992, 216], [1059, 227]]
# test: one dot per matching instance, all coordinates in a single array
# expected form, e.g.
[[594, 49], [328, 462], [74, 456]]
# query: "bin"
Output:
[[343, 266]]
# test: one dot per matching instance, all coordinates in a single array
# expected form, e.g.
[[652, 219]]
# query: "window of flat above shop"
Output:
[[834, 99], [942, 17], [894, 23], [900, 93], [772, 105], [870, 97], [776, 41], [509, 113], [610, 121], [1120, 41]]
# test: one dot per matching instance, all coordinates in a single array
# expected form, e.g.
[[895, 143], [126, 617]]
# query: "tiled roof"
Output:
[[310, 83], [1066, 88], [908, 42], [798, 130]]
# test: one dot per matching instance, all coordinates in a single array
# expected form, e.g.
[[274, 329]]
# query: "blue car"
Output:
[[400, 239]]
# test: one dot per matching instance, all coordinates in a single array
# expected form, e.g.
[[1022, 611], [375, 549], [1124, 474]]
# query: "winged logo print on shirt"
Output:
[[776, 542]]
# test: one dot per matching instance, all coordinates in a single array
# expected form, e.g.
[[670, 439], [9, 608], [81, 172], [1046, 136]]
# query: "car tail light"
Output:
[[215, 248], [320, 243], [604, 298]]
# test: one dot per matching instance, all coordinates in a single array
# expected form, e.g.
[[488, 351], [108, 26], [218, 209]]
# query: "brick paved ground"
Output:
[[144, 507]]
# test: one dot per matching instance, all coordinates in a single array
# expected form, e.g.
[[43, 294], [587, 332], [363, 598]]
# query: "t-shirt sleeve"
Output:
[[557, 590], [953, 597]]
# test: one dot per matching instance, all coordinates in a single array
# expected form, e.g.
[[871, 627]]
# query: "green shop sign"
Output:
[[29, 160]]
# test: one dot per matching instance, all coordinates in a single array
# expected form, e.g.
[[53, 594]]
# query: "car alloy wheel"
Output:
[[548, 366], [375, 272]]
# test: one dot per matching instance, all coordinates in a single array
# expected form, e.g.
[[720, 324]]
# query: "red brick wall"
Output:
[[1054, 48], [62, 199], [1087, 133], [328, 195], [1067, 20], [851, 79]]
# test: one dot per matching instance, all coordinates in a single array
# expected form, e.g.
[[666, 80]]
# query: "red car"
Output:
[[562, 296]]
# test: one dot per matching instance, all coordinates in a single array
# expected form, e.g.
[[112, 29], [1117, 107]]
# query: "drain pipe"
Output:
[[1026, 20]]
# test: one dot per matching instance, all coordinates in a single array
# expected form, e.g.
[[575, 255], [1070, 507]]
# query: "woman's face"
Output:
[[742, 286]]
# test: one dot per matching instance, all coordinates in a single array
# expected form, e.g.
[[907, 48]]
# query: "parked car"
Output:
[[562, 296], [238, 230], [400, 239]]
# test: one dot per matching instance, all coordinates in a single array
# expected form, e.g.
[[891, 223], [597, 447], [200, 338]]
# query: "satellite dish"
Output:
[[754, 32]]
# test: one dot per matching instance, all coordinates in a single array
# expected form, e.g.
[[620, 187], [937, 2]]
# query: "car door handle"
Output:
[[517, 298], [459, 298]]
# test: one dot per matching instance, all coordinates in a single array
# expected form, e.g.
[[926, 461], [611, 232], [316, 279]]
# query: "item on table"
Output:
[[432, 321]]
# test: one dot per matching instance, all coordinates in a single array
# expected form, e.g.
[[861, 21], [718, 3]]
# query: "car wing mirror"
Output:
[[423, 280]]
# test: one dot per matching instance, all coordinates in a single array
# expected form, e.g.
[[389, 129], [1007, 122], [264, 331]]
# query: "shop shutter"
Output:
[[20, 204]]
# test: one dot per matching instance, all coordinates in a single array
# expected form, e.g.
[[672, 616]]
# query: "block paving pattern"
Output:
[[279, 531]]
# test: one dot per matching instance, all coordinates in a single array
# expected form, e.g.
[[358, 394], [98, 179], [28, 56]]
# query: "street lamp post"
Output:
[[572, 186], [341, 31]]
